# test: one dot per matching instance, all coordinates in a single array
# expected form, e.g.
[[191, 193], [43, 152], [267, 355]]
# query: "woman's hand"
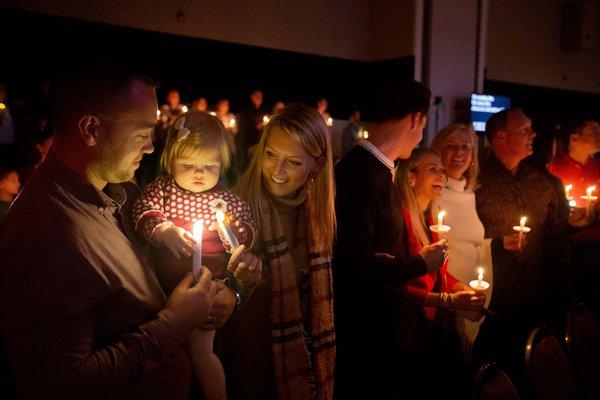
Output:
[[245, 266], [511, 242], [468, 300], [176, 239]]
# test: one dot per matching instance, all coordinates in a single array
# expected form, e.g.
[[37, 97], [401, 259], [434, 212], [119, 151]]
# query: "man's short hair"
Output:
[[497, 122], [97, 91], [395, 99]]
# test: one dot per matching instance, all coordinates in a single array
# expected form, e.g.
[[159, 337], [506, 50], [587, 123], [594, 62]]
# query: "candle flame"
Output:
[[590, 190], [214, 114], [441, 214], [184, 109], [157, 112], [220, 216], [569, 187], [266, 119], [232, 122], [329, 121], [2, 106], [365, 134], [480, 271], [572, 203], [523, 220]]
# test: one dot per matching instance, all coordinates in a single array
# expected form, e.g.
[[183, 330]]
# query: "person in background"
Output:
[[322, 105], [351, 133], [7, 129], [371, 257], [227, 118], [252, 121], [468, 247], [172, 108], [200, 104], [277, 106], [428, 333], [511, 189], [574, 163], [9, 188]]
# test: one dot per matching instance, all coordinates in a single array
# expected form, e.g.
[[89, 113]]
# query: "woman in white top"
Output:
[[468, 248]]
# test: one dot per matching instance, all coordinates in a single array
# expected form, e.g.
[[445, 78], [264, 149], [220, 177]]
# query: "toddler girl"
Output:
[[197, 150]]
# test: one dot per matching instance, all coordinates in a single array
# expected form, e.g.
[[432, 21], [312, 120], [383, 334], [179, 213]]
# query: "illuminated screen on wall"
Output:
[[483, 106]]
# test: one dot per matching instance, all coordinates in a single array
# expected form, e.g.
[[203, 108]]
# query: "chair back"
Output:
[[491, 383], [582, 338], [547, 369]]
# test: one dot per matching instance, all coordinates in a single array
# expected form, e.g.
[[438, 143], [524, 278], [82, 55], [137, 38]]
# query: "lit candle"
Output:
[[232, 122], [226, 230], [197, 232], [266, 119], [522, 229], [441, 215], [184, 109], [479, 284], [589, 198], [365, 134], [214, 114], [329, 121], [440, 227], [572, 203], [157, 113], [568, 189]]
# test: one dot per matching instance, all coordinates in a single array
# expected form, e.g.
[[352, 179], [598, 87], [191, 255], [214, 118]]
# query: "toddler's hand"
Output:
[[176, 239]]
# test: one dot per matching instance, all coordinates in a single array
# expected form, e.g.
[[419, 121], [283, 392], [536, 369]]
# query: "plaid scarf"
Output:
[[303, 361]]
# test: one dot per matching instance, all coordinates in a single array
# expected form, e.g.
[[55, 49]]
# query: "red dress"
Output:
[[440, 281]]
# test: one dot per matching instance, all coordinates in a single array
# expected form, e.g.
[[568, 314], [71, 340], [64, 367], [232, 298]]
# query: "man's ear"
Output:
[[417, 119], [88, 129]]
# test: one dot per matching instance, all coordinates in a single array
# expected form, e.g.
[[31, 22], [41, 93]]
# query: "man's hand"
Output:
[[222, 307], [434, 255], [511, 242], [192, 303]]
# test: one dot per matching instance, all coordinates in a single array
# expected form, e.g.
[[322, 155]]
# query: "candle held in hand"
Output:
[[568, 189], [589, 198], [522, 229], [479, 284], [440, 227], [197, 263], [226, 230]]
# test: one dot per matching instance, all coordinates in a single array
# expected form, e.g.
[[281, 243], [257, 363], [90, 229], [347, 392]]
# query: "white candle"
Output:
[[226, 230], [589, 198], [521, 225], [479, 284], [441, 216], [568, 189], [197, 231]]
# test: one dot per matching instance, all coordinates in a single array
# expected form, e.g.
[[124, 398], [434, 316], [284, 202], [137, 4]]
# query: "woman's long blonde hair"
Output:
[[306, 127], [440, 140], [402, 181]]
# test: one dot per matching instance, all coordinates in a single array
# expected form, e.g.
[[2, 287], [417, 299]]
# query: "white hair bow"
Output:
[[182, 131]]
